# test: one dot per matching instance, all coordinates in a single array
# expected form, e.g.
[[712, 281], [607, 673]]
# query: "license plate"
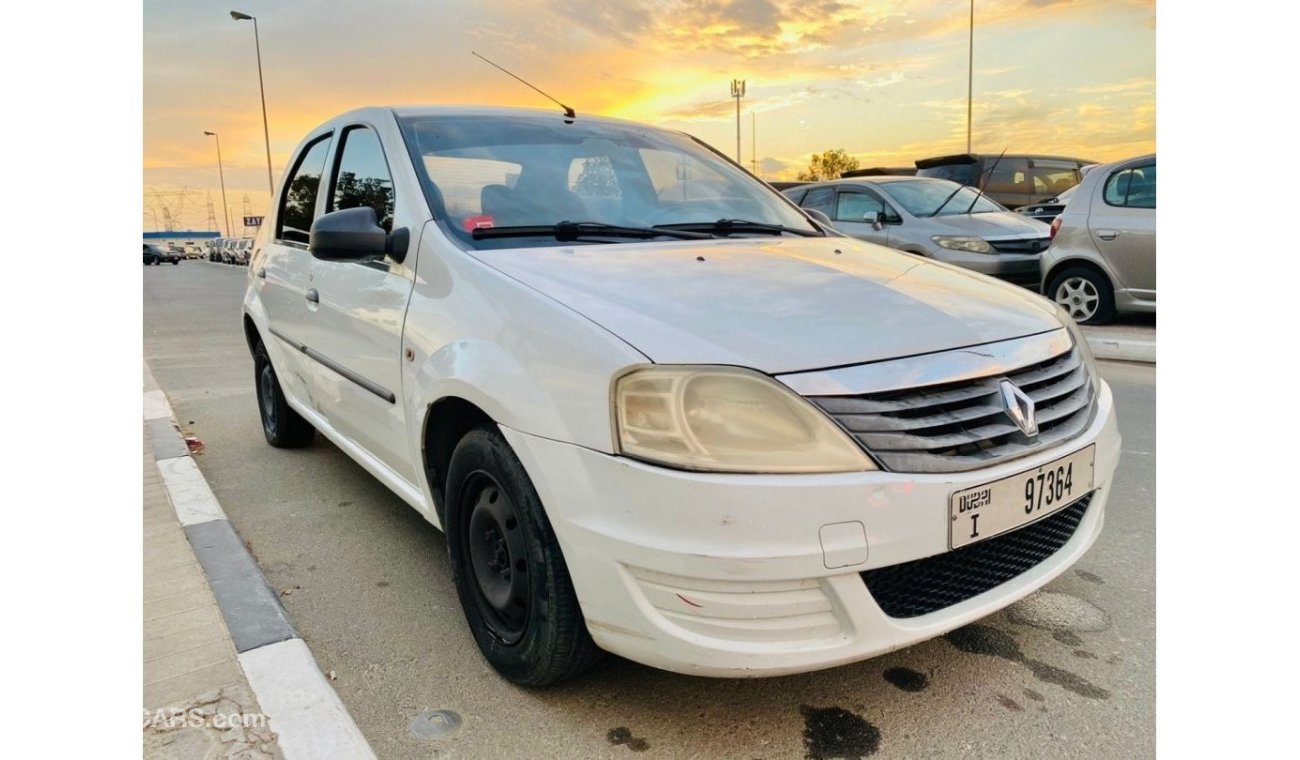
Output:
[[995, 508]]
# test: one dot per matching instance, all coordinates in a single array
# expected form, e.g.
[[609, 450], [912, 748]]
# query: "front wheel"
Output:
[[283, 427], [510, 575]]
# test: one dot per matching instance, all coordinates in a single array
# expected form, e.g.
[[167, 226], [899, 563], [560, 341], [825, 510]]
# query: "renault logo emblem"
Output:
[[1019, 407]]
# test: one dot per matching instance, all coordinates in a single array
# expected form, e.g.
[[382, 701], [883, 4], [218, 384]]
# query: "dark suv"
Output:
[[156, 255], [1018, 179]]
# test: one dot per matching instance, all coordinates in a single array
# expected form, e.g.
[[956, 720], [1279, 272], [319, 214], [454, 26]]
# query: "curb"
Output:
[[1123, 349], [303, 709]]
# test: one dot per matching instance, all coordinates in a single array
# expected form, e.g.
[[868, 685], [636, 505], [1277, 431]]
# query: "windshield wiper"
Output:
[[725, 226], [568, 232], [951, 195]]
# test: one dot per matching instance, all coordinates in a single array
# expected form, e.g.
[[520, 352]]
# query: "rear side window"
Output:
[[1134, 187], [298, 206], [1011, 175], [1051, 178], [361, 176]]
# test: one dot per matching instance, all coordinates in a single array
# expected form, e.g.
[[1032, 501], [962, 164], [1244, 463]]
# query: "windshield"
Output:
[[513, 171], [922, 196]]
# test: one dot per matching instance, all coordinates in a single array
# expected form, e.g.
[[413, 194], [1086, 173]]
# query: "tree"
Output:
[[597, 179], [828, 165]]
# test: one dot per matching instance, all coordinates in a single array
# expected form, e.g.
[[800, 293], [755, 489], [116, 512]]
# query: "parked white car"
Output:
[[682, 424]]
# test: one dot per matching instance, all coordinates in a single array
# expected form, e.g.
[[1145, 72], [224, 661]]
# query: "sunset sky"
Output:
[[886, 81]]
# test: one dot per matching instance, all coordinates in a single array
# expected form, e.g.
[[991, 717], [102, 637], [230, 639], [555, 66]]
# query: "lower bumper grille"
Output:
[[1027, 279], [931, 584]]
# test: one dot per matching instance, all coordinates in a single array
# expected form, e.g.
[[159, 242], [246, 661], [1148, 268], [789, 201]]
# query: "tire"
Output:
[[283, 427], [175, 262], [1085, 293], [509, 572]]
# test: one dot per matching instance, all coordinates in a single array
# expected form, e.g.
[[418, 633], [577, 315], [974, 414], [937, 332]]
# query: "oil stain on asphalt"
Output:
[[982, 639], [835, 732], [907, 679], [623, 735]]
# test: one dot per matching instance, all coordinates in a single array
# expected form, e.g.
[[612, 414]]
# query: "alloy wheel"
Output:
[[1079, 297]]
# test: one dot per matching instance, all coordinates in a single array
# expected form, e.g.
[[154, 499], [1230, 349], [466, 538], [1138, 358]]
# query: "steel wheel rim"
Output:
[[266, 388], [1079, 297], [494, 542]]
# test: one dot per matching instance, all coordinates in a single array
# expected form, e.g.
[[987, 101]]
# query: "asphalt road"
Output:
[[365, 581]]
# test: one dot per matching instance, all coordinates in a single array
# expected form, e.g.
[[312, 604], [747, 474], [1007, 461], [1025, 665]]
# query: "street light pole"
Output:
[[222, 173], [738, 92], [970, 74], [266, 131]]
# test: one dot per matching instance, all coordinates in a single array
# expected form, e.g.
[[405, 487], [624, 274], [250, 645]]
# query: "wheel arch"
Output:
[[1074, 263], [446, 421]]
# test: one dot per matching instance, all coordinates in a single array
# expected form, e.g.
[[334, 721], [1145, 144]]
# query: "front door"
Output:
[[856, 212], [360, 310]]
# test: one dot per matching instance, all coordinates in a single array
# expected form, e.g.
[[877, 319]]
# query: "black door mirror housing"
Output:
[[354, 233]]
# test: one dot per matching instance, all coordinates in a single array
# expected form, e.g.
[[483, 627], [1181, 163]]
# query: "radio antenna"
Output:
[[568, 112]]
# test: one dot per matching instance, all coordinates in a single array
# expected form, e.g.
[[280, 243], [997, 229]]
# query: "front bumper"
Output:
[[758, 575], [1019, 269]]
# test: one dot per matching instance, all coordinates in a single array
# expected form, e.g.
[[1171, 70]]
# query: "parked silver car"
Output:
[[1103, 255], [938, 218]]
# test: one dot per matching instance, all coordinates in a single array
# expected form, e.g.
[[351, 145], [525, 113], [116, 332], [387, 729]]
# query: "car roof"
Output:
[[970, 158], [880, 180]]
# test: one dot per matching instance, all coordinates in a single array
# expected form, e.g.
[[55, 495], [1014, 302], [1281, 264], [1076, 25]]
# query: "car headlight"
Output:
[[726, 419], [960, 243]]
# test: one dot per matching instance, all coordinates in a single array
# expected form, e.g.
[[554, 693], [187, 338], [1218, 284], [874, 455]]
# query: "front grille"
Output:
[[931, 584], [962, 426], [1030, 245]]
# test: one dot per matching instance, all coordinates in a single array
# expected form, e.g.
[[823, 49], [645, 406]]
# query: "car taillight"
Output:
[[1056, 226]]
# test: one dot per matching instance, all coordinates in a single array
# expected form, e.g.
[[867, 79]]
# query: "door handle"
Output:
[[1107, 234], [313, 295], [261, 273]]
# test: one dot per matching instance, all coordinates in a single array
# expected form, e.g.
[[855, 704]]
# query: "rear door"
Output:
[[283, 266], [1122, 223], [356, 326]]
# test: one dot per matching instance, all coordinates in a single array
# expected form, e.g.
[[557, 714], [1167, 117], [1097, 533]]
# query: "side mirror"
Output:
[[877, 220], [354, 233], [819, 217]]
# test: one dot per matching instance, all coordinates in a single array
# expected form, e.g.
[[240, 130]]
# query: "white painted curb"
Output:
[[1123, 349], [304, 711], [193, 499]]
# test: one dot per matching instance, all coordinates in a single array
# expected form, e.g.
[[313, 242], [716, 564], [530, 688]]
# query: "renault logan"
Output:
[[657, 409]]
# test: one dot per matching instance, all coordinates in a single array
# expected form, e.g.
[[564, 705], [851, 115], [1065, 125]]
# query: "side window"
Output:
[[1051, 178], [821, 199], [857, 207], [298, 206], [1134, 188], [361, 176], [1011, 175]]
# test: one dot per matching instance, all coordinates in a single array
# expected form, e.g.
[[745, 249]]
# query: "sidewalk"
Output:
[[225, 673], [191, 674]]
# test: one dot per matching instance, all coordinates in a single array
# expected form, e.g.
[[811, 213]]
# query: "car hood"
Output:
[[994, 224], [776, 305]]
